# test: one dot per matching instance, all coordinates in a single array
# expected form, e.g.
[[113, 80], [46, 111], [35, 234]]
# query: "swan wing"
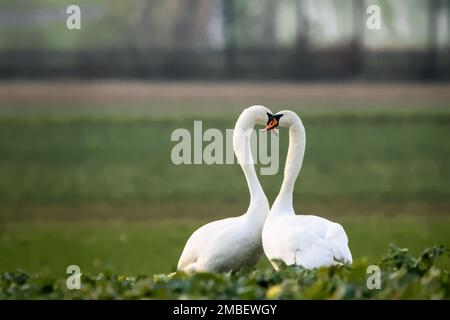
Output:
[[311, 251], [309, 241], [338, 240], [333, 233], [293, 242], [199, 243]]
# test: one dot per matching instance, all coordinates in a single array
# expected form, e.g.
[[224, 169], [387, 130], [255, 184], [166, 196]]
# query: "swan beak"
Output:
[[273, 123]]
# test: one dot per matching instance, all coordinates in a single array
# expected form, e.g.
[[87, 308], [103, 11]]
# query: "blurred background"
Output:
[[86, 118], [217, 39]]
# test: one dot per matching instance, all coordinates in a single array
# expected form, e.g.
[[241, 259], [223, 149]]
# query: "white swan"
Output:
[[233, 243], [304, 240]]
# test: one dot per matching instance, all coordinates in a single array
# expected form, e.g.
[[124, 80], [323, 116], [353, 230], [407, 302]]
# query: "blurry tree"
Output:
[[429, 69], [356, 50], [268, 23], [286, 38], [191, 24], [229, 14], [300, 67]]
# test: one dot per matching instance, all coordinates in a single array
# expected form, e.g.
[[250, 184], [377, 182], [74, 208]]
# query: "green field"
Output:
[[154, 247], [381, 158], [99, 190]]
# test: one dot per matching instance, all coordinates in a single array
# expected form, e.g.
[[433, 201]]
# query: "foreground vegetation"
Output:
[[402, 277]]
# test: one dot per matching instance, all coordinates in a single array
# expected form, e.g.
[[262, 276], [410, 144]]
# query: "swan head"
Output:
[[285, 118], [273, 121], [260, 114]]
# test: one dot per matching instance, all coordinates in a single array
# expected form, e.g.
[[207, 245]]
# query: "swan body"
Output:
[[304, 240], [233, 243]]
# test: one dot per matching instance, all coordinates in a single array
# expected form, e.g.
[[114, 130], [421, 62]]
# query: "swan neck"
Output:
[[242, 149], [294, 160]]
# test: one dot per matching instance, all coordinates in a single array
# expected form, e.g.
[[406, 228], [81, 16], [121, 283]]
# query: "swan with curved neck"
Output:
[[304, 240], [233, 243]]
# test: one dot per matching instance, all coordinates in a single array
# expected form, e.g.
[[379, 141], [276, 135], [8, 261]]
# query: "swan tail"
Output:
[[338, 240]]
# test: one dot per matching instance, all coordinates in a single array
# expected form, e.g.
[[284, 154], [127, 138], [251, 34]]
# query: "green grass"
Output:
[[364, 158], [154, 246], [100, 190]]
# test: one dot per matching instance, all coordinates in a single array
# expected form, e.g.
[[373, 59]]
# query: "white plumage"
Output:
[[233, 243], [304, 240]]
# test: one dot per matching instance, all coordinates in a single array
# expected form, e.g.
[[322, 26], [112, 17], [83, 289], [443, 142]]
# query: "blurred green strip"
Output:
[[360, 157]]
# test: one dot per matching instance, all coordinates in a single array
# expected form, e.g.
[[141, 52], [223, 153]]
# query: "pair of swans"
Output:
[[302, 240]]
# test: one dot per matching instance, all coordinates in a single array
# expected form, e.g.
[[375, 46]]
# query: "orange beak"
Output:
[[272, 124]]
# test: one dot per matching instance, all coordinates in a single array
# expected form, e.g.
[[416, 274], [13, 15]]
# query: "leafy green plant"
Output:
[[402, 277]]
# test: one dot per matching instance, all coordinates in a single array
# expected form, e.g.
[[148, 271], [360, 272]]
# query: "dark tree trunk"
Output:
[[230, 53]]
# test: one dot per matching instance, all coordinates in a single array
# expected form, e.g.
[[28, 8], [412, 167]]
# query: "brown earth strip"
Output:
[[115, 92]]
